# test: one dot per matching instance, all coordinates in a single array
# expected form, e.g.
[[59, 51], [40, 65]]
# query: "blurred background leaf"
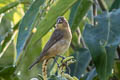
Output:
[[105, 44], [26, 25], [91, 74], [82, 57]]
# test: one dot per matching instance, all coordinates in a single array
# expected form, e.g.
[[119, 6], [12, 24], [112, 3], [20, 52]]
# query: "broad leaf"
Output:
[[110, 59], [97, 51], [73, 11], [5, 26], [8, 39], [6, 71], [115, 5], [26, 25], [91, 74], [8, 7], [102, 40], [81, 11], [117, 68], [82, 57], [114, 28]]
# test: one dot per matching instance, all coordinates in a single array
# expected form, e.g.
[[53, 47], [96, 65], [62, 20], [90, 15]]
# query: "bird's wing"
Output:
[[56, 36]]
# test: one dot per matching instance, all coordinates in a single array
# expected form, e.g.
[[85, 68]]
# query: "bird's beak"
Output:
[[59, 21]]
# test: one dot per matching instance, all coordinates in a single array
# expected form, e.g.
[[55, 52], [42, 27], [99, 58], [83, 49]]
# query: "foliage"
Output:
[[26, 25]]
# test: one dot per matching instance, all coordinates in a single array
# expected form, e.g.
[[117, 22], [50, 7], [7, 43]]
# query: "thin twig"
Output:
[[94, 11]]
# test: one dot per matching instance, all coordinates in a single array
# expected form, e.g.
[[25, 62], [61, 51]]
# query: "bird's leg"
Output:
[[56, 62]]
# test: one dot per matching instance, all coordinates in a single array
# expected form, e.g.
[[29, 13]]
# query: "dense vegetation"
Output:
[[26, 25]]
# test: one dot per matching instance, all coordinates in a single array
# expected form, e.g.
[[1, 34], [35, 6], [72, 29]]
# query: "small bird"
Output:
[[58, 43]]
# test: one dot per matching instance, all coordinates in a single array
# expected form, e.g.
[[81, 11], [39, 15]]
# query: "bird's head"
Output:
[[61, 23]]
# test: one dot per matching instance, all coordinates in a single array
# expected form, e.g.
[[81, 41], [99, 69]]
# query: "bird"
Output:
[[58, 43]]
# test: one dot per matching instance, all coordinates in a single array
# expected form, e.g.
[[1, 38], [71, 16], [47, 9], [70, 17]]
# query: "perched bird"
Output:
[[58, 43]]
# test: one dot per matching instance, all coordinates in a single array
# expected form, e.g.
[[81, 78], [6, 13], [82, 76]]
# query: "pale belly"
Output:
[[59, 48]]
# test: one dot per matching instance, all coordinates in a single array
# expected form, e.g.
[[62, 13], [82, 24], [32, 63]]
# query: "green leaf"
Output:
[[91, 74], [25, 61], [6, 71], [75, 39], [114, 28], [8, 39], [9, 6], [110, 59], [53, 77], [102, 40], [82, 57], [26, 25], [117, 68], [115, 5], [97, 51], [5, 30], [81, 11], [72, 12], [5, 25]]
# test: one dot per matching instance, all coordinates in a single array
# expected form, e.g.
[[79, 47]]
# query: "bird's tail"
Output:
[[37, 61]]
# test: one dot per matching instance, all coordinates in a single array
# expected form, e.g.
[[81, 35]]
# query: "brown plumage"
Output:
[[58, 43]]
